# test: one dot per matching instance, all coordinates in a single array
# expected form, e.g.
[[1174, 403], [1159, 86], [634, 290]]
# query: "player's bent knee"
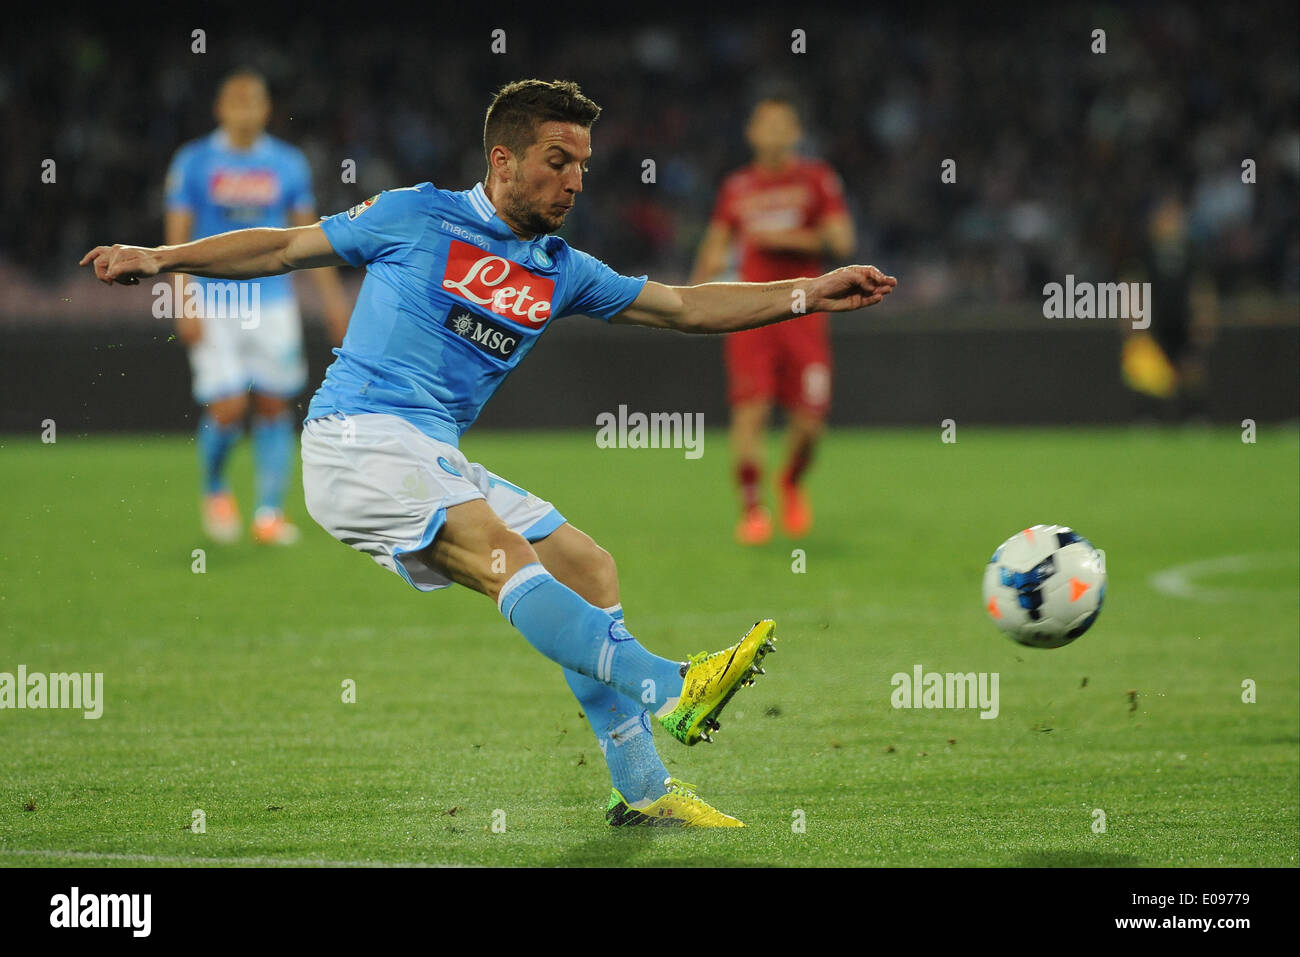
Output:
[[230, 410], [602, 574], [591, 572], [269, 406]]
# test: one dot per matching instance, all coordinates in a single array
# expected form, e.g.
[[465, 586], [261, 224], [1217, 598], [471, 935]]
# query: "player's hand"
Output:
[[122, 264], [849, 287]]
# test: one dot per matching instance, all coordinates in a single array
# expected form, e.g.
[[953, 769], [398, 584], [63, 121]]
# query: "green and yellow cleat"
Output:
[[680, 807], [711, 680]]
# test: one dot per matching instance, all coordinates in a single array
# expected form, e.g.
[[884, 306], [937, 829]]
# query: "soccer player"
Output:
[[238, 176], [788, 216], [459, 286]]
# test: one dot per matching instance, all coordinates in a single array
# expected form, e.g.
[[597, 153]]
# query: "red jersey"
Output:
[[799, 196]]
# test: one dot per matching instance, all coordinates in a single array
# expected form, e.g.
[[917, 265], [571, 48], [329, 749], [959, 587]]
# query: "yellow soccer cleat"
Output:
[[680, 807], [711, 680]]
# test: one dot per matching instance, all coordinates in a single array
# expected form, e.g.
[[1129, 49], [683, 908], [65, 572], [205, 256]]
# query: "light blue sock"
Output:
[[570, 631], [622, 728], [214, 443], [273, 457]]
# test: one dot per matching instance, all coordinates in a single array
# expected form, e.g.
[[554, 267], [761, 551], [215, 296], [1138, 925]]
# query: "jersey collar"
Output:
[[483, 207], [222, 140]]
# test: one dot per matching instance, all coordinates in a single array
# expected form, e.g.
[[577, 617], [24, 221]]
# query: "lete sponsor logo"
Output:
[[502, 287], [244, 187]]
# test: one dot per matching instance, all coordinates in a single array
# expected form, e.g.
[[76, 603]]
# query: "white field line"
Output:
[[165, 859], [1180, 580]]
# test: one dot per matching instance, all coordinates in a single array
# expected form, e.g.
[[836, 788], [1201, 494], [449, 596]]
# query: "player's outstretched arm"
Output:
[[733, 306], [241, 254]]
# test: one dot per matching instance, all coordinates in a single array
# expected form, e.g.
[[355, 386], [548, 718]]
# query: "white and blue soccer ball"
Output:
[[1044, 586]]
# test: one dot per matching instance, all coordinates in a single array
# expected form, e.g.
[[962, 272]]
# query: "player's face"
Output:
[[548, 178], [243, 106], [773, 129]]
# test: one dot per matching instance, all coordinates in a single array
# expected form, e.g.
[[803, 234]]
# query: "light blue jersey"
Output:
[[225, 188], [451, 303]]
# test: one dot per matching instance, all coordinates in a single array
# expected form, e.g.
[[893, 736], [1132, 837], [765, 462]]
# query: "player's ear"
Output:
[[501, 162]]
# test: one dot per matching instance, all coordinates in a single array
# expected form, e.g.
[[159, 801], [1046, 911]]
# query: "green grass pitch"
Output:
[[223, 690]]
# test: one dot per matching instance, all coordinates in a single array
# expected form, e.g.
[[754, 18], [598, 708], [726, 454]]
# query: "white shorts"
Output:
[[379, 484], [268, 358]]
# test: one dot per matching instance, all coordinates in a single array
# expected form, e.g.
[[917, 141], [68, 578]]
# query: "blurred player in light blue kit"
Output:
[[247, 335]]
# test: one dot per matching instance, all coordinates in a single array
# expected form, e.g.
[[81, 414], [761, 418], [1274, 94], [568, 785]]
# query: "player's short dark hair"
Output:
[[244, 73], [777, 94], [520, 107]]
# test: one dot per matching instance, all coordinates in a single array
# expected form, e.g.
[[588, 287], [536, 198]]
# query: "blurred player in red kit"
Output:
[[788, 215]]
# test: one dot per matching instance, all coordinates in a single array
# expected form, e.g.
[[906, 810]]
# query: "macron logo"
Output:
[[462, 233], [103, 910]]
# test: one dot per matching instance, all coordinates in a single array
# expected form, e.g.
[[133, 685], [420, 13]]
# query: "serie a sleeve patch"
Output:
[[360, 208]]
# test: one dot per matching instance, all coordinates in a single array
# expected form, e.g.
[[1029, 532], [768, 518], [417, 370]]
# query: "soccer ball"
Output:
[[1044, 586]]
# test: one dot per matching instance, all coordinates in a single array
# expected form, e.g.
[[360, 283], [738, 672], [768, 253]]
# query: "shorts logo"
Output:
[[446, 467], [360, 208], [502, 287], [484, 335], [417, 484]]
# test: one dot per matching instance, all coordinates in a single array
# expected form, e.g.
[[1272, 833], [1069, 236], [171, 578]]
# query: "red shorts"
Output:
[[787, 361]]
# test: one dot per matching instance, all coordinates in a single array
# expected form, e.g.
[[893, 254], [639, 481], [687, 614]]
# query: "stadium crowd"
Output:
[[1061, 153]]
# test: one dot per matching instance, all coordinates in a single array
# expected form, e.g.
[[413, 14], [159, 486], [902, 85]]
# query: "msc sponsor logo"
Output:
[[484, 335], [498, 285]]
